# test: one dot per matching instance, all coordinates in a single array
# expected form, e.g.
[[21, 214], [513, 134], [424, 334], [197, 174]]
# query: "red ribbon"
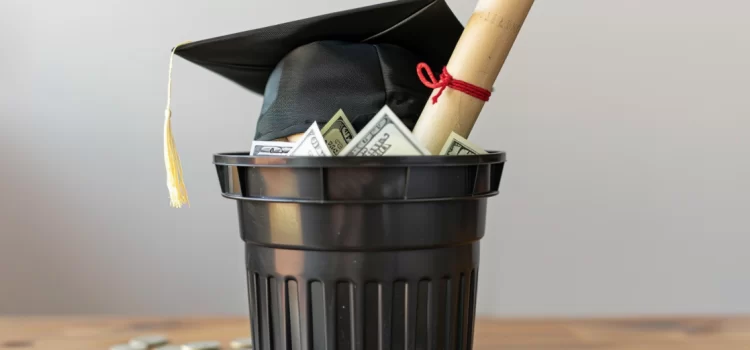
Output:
[[447, 80]]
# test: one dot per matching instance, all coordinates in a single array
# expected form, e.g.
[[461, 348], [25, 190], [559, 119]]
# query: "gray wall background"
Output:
[[627, 125]]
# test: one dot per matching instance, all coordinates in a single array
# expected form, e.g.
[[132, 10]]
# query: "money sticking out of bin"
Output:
[[361, 253]]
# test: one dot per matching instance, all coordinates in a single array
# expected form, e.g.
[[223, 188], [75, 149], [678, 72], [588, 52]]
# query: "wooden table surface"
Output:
[[99, 333]]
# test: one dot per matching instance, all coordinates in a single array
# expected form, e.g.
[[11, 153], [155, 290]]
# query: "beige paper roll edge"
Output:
[[478, 57]]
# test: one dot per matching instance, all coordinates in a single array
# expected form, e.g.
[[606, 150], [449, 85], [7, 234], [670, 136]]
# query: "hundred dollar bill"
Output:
[[338, 132], [384, 135], [271, 148], [459, 146], [312, 144]]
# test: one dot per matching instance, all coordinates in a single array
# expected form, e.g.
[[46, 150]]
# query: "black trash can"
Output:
[[361, 252]]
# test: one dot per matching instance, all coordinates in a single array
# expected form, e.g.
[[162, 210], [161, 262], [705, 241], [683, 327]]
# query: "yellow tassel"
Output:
[[177, 192]]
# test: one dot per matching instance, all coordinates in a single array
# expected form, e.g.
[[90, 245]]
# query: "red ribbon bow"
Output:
[[446, 80]]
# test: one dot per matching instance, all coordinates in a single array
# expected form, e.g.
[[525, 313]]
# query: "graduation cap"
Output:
[[357, 60]]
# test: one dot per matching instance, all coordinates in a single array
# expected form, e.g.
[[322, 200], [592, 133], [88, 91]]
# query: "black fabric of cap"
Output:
[[357, 60]]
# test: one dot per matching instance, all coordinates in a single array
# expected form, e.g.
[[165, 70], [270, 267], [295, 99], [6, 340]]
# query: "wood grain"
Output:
[[99, 333]]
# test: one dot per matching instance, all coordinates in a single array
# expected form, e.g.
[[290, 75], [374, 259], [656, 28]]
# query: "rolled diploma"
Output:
[[477, 59]]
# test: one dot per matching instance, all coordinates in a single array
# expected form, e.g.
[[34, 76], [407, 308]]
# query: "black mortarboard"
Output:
[[357, 60]]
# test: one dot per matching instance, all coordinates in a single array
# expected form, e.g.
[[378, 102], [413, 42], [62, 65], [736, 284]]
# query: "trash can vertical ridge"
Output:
[[361, 253]]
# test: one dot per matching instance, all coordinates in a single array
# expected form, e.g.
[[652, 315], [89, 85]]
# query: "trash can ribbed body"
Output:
[[361, 253]]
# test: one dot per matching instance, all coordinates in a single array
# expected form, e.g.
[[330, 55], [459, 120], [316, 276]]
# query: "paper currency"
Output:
[[148, 341], [312, 144], [384, 135], [271, 148], [459, 146], [338, 132]]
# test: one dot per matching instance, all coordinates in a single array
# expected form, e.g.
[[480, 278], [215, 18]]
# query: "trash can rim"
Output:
[[244, 159], [359, 201]]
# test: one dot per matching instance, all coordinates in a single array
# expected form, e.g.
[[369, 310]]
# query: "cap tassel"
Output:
[[177, 192]]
